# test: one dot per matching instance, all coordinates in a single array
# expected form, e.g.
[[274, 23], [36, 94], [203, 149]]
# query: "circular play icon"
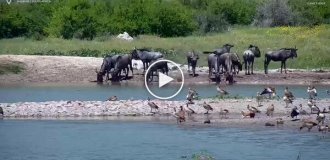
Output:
[[167, 75]]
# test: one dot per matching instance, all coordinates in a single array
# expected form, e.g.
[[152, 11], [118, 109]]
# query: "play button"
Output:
[[163, 79], [169, 84]]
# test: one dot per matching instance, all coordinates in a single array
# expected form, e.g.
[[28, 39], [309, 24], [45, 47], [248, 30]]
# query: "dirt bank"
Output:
[[63, 69]]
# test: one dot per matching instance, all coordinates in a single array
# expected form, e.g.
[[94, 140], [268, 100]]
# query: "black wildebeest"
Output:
[[192, 58], [248, 56], [123, 62], [156, 67], [107, 64], [226, 61], [236, 62], [281, 55], [145, 56], [214, 64]]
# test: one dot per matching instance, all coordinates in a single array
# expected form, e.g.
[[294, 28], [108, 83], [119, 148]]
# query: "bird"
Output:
[[323, 128], [192, 94], [221, 91], [328, 92], [113, 98], [208, 121], [320, 117], [253, 109], [313, 107], [270, 110], [152, 105], [223, 112], [270, 91], [259, 99], [180, 117], [288, 97], [308, 124], [248, 114], [189, 111], [207, 107], [279, 121], [294, 112], [1, 111], [312, 92]]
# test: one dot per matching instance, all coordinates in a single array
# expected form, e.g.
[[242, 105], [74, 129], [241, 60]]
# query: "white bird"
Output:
[[270, 91], [189, 111], [323, 128], [320, 117], [311, 92], [113, 98], [308, 124], [253, 109]]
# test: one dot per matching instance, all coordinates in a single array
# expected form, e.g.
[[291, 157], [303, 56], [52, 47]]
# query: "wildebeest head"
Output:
[[255, 50], [99, 76], [293, 52], [135, 54], [227, 47]]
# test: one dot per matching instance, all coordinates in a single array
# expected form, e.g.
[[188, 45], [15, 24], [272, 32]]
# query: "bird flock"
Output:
[[267, 93]]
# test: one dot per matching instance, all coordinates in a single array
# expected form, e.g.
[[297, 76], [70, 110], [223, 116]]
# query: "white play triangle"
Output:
[[164, 79]]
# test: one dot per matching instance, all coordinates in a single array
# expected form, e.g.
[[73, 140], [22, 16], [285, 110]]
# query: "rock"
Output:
[[125, 36]]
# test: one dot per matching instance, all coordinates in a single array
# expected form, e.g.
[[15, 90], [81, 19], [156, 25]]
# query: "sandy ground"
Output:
[[63, 69]]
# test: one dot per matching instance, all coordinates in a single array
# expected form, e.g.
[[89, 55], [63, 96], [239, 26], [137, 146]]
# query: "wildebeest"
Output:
[[123, 62], [213, 63], [107, 64], [145, 56], [248, 56], [236, 62], [192, 58], [281, 55], [226, 61], [156, 67], [225, 49]]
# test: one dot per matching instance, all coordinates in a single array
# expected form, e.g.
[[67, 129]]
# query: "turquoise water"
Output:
[[110, 140], [102, 92]]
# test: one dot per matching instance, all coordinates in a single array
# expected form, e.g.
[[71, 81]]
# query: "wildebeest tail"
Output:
[[207, 52]]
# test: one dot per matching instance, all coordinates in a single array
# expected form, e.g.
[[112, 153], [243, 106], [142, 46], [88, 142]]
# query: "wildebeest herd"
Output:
[[221, 62]]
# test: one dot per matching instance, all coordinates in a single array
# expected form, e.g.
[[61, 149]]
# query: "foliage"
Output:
[[312, 44], [274, 13], [89, 19]]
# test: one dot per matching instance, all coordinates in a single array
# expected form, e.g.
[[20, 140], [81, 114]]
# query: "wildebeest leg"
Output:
[[193, 70], [284, 66], [266, 64], [252, 62], [188, 64], [245, 66], [210, 71], [127, 70]]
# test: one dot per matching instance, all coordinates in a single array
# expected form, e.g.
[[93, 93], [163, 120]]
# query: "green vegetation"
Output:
[[312, 44], [11, 67], [88, 19]]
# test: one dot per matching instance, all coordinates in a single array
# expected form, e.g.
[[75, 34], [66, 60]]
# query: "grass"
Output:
[[11, 67], [312, 44]]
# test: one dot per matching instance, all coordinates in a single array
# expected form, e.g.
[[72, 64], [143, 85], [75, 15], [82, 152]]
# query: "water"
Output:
[[102, 92], [104, 139]]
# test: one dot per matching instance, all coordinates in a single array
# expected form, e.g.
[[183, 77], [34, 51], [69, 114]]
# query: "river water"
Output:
[[106, 139], [34, 93]]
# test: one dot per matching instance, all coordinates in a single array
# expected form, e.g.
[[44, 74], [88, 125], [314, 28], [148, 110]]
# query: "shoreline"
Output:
[[67, 69]]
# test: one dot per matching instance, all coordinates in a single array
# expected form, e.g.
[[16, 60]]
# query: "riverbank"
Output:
[[139, 110], [66, 69]]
